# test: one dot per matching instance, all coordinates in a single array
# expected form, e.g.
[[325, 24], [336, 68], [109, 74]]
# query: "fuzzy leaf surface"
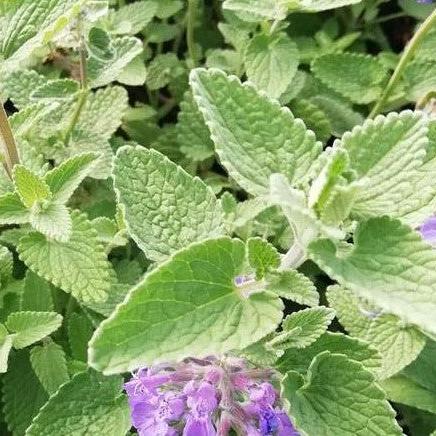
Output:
[[78, 266], [389, 265], [254, 137], [50, 365], [23, 394], [188, 306], [30, 327], [390, 163], [271, 63], [338, 396], [398, 344], [165, 208], [361, 76], [103, 408]]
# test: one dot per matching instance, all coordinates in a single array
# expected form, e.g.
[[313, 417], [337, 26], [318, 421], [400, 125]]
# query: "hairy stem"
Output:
[[83, 85], [408, 54], [190, 41], [293, 258], [389, 17], [76, 115], [7, 142]]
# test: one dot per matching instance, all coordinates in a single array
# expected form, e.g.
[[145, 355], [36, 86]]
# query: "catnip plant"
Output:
[[218, 217]]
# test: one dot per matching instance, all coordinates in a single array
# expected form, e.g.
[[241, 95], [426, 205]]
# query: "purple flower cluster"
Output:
[[206, 397]]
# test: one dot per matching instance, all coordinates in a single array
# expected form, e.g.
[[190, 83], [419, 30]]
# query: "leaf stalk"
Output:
[[8, 144], [408, 54]]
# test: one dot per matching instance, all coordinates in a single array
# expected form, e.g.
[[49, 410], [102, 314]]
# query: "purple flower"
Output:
[[202, 402], [272, 421], [207, 397], [425, 1], [428, 230], [153, 413], [286, 428]]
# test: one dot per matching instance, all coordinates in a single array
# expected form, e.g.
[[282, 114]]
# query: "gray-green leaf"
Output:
[[165, 207], [189, 306]]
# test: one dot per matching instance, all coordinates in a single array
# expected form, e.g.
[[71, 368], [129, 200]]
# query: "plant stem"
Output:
[[408, 53], [166, 108], [83, 85], [190, 41], [7, 142], [293, 258], [75, 118], [389, 17], [425, 100]]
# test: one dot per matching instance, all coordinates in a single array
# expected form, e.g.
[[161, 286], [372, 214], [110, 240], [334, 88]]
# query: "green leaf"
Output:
[[19, 86], [341, 115], [23, 394], [388, 164], [262, 256], [65, 178], [162, 69], [53, 220], [103, 71], [294, 286], [162, 221], [160, 32], [36, 294], [12, 210], [427, 49], [167, 8], [254, 137], [30, 187], [323, 5], [397, 343], [103, 408], [403, 390], [259, 11], [295, 359], [302, 328], [132, 18], [227, 60], [80, 331], [362, 77], [109, 233], [422, 370], [6, 265], [116, 295], [340, 203], [134, 73], [420, 79], [338, 396], [204, 313], [314, 117], [5, 347], [389, 265], [32, 25], [78, 266], [86, 141], [260, 354], [192, 133], [50, 366], [334, 163], [304, 223], [60, 89], [30, 327], [103, 111], [271, 62]]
